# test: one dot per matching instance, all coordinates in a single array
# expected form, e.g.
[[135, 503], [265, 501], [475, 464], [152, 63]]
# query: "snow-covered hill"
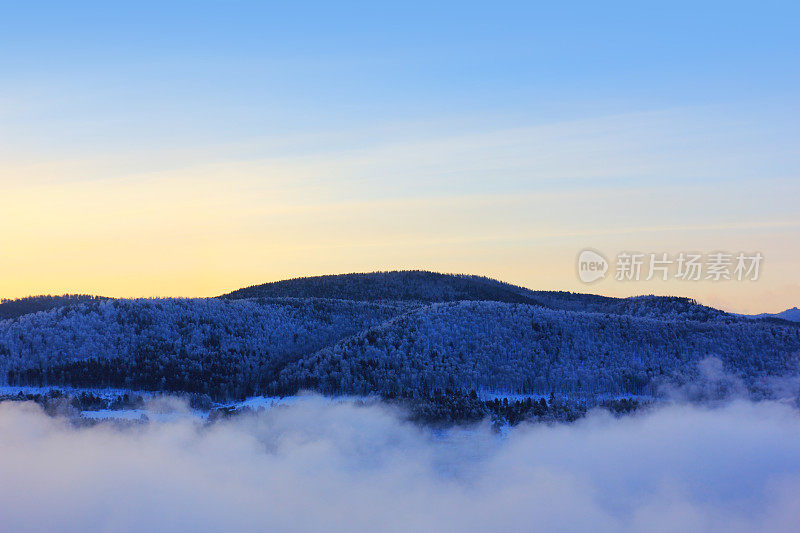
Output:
[[792, 315], [394, 334]]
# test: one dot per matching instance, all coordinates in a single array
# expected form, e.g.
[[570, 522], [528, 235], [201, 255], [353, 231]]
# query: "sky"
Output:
[[191, 148]]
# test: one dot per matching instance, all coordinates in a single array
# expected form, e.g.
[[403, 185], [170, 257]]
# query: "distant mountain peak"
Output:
[[792, 315], [399, 285], [424, 286]]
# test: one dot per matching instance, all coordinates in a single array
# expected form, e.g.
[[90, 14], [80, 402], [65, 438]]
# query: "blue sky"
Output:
[[318, 65], [341, 136]]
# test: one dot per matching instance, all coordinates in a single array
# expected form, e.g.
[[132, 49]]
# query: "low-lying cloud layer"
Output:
[[323, 466]]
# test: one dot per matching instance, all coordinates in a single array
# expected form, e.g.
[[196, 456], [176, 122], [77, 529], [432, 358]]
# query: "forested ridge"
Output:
[[221, 347], [409, 285], [34, 304], [516, 348], [409, 334], [433, 287]]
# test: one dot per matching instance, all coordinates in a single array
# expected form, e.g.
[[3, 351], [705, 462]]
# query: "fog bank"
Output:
[[320, 465]]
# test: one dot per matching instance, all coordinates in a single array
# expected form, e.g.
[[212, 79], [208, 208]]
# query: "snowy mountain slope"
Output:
[[432, 287], [177, 344], [792, 315], [389, 333], [528, 349]]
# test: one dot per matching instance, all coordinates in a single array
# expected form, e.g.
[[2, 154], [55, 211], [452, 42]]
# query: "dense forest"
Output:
[[222, 347], [401, 334], [515, 348], [432, 287], [411, 285], [34, 304]]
